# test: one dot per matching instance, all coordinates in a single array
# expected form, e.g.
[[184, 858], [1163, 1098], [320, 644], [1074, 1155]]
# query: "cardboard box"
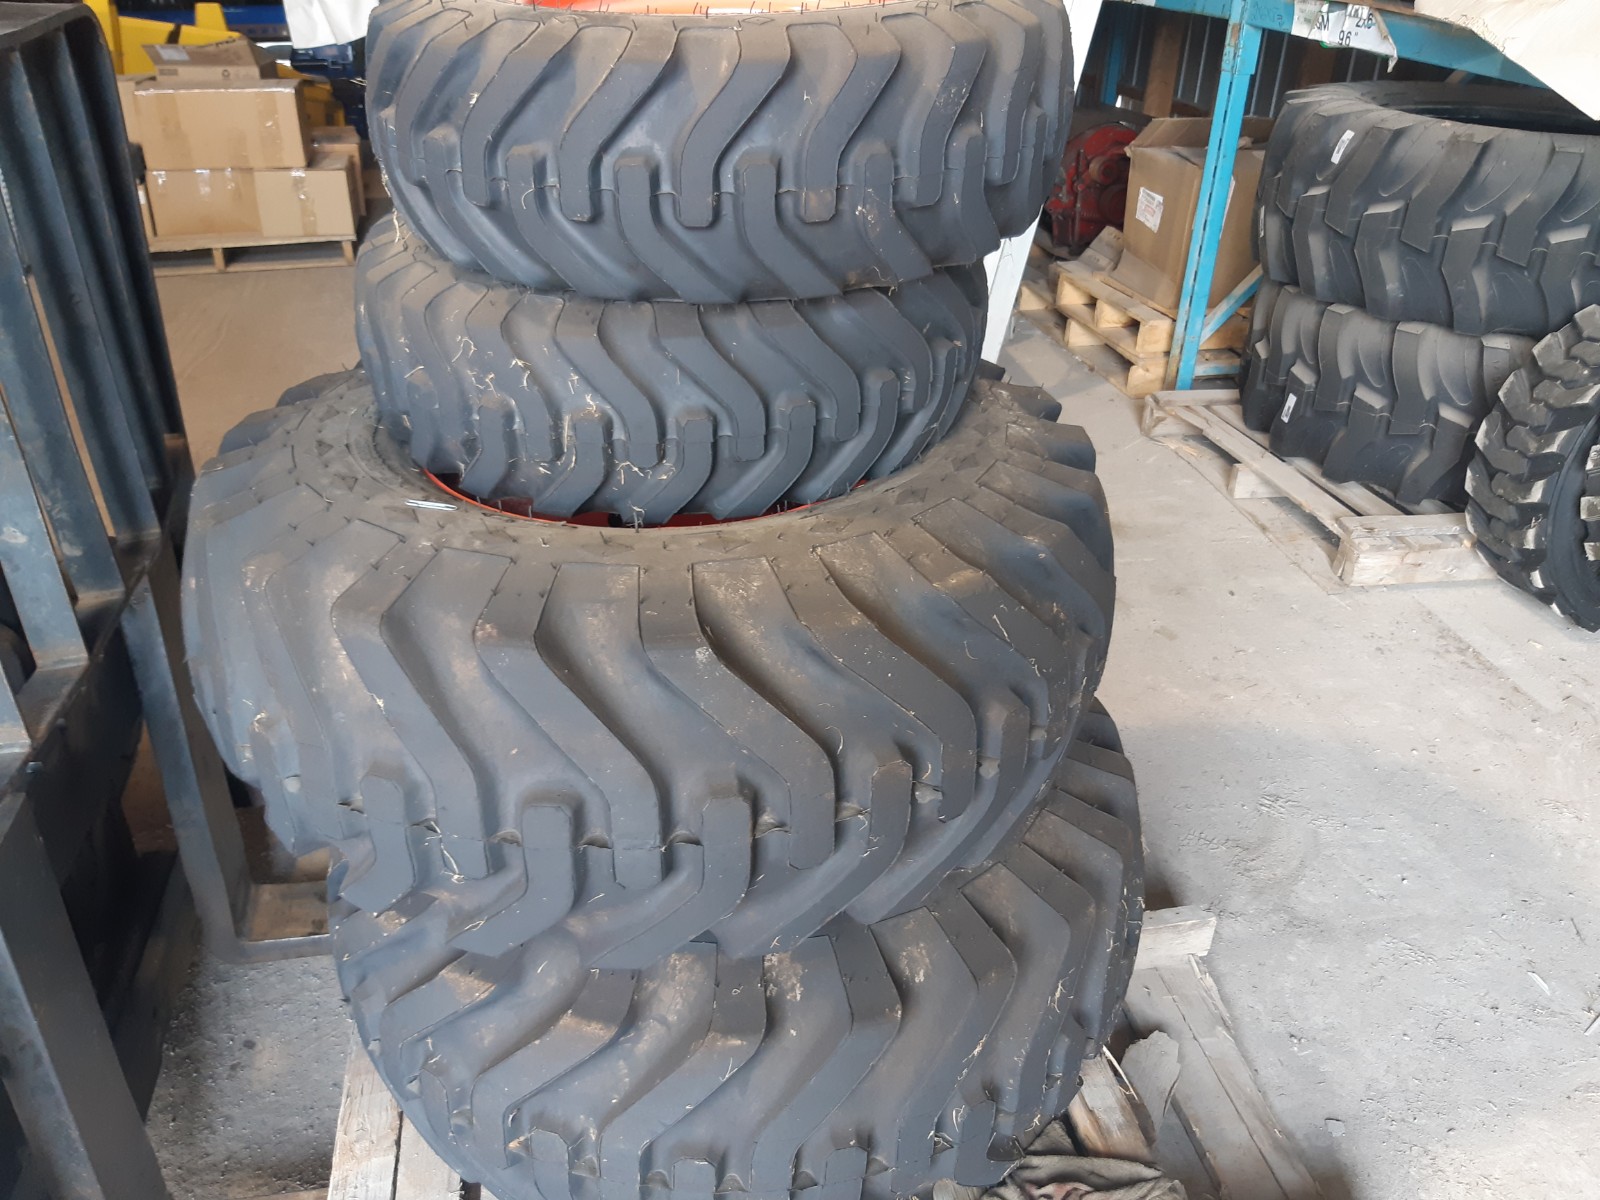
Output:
[[130, 116], [1167, 161], [203, 203], [319, 200], [342, 139], [215, 126], [230, 61]]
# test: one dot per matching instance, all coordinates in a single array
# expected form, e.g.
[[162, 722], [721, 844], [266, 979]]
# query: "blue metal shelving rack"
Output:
[[1416, 38]]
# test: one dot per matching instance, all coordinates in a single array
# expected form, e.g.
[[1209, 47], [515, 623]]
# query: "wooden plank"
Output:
[[367, 1142], [1174, 935], [1427, 548], [1362, 499], [1216, 1095], [1104, 1115], [1325, 509], [420, 1174], [1203, 396], [1161, 79]]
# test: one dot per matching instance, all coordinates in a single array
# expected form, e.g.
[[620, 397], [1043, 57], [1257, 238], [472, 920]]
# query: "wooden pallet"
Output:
[[1202, 1117], [208, 255], [1375, 540], [1118, 335]]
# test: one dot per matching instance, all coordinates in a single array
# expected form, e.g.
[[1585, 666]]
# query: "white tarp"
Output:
[[1555, 41]]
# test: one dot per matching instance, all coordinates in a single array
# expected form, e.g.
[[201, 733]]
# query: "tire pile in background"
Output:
[[686, 646], [1427, 321]]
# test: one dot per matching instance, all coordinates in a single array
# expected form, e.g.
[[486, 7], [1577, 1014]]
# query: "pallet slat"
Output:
[[1216, 1096]]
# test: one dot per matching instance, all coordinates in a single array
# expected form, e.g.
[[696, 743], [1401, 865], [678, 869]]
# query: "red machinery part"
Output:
[[1093, 192]]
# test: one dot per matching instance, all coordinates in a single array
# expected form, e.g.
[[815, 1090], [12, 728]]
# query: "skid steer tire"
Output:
[[1534, 484], [1373, 401], [734, 730], [868, 1061], [1474, 208], [724, 157], [648, 409]]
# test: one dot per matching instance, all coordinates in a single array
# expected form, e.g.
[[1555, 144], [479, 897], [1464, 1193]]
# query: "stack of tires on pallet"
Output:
[[685, 645], [1418, 241]]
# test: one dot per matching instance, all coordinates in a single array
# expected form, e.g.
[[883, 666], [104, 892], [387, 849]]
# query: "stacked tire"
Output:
[[1416, 239], [686, 646]]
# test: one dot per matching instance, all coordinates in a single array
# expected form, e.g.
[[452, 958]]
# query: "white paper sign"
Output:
[[1148, 210], [1344, 144], [1344, 26], [1288, 407]]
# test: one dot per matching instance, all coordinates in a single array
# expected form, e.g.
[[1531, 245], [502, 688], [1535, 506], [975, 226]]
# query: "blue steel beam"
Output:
[[1419, 39], [1241, 51]]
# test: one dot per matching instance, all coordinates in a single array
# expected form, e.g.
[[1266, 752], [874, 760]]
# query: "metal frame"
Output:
[[95, 475], [1417, 38]]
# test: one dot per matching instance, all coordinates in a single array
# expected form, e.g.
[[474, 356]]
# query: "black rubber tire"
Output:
[[866, 1063], [1476, 208], [648, 409], [739, 728], [719, 158], [1534, 484], [1373, 401]]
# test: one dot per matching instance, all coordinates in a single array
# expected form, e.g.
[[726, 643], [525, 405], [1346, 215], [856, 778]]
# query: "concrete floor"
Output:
[[1389, 798]]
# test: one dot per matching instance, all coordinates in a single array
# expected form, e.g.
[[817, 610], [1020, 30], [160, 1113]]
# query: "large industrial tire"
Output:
[[866, 1062], [722, 157], [647, 409], [1535, 481], [1475, 208], [1373, 401], [740, 728]]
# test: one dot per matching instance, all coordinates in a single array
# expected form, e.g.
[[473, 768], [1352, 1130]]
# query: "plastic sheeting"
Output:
[[1553, 40]]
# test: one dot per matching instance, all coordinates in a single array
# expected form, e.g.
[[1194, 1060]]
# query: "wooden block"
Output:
[[1245, 484], [1156, 422], [1134, 379], [1032, 298], [1069, 291], [1174, 935], [1166, 56], [367, 1142], [420, 1174], [1151, 1067], [1104, 1116], [1216, 1096], [1377, 551]]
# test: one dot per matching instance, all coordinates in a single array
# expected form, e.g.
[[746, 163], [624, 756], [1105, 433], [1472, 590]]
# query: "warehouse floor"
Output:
[[1388, 797]]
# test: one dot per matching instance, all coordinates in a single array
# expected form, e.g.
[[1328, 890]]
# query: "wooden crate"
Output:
[[1375, 540], [1205, 1119]]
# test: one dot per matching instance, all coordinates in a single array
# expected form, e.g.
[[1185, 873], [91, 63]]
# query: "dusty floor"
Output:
[[1389, 797]]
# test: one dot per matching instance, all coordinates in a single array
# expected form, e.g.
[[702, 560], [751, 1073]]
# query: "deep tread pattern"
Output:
[[1372, 401], [648, 409], [863, 1064], [733, 730], [719, 157], [1534, 484], [1487, 223]]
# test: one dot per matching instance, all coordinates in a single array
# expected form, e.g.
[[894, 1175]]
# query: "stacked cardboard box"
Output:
[[230, 150]]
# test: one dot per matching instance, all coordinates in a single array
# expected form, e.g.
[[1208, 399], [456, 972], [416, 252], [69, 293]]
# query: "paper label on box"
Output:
[[1148, 210], [1288, 407], [1344, 144]]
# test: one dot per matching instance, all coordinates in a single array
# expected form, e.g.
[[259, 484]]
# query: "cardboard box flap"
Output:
[[1185, 132]]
